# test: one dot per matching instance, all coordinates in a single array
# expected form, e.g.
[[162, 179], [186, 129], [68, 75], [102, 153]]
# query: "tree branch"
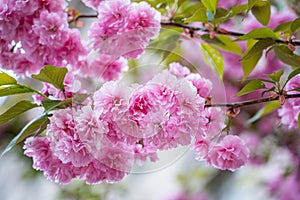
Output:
[[222, 32], [87, 16], [251, 102]]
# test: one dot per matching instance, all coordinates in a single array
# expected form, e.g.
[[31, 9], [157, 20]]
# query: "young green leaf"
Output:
[[6, 79], [36, 126], [15, 89], [276, 75], [213, 58], [258, 48], [295, 25], [259, 33], [262, 11], [268, 108], [251, 87], [16, 110], [211, 5], [52, 75]]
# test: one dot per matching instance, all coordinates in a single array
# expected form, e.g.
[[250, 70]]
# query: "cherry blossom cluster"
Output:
[[124, 28], [36, 33], [121, 125]]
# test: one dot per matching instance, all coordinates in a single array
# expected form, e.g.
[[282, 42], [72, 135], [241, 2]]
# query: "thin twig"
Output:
[[251, 102], [87, 16]]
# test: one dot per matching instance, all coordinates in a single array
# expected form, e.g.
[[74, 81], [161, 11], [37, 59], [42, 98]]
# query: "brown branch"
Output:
[[251, 102], [222, 32], [87, 16]]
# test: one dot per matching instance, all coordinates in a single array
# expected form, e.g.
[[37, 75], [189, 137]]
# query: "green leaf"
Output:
[[251, 3], [295, 25], [227, 44], [215, 40], [211, 5], [222, 15], [283, 53], [52, 75], [268, 108], [198, 16], [258, 48], [262, 12], [251, 87], [283, 27], [276, 75], [250, 64], [293, 74], [50, 104], [36, 126], [238, 9], [16, 110], [14, 89], [57, 104], [79, 98], [187, 9], [6, 79], [259, 33], [296, 89], [213, 58]]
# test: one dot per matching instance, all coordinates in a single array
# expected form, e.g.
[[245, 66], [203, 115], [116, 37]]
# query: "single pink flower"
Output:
[[230, 154]]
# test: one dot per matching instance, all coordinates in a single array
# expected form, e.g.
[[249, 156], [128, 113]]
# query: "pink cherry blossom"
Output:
[[291, 108], [112, 99], [68, 146], [144, 151], [230, 154], [38, 149], [92, 3], [178, 70], [107, 68], [90, 128], [203, 85], [201, 147], [124, 29], [230, 3], [144, 20], [51, 29], [43, 159]]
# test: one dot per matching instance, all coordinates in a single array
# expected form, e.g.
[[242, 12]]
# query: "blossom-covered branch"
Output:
[[193, 29]]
